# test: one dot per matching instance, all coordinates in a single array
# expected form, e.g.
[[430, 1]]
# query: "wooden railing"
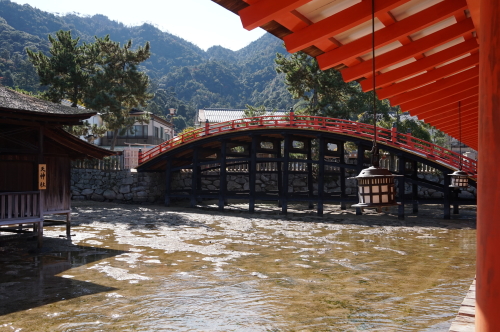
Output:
[[19, 207], [389, 137], [111, 163]]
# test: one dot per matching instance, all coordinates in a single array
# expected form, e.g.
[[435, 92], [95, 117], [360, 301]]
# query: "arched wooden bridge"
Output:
[[308, 146]]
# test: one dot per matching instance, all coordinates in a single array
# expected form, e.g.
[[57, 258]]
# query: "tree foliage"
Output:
[[103, 75], [324, 93], [117, 85], [67, 71]]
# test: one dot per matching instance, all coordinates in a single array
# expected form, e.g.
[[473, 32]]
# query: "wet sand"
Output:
[[152, 268]]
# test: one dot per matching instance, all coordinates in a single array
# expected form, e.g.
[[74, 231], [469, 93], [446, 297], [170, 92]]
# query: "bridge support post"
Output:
[[194, 177], [343, 205], [286, 161], [279, 170], [310, 186], [401, 187], [252, 173], [223, 176], [455, 193], [414, 187], [447, 197], [359, 163], [321, 175], [168, 182]]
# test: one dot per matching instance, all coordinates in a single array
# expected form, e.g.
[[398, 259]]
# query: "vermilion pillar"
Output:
[[488, 195]]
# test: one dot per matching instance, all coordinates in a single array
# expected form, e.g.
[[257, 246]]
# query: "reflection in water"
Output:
[[156, 269]]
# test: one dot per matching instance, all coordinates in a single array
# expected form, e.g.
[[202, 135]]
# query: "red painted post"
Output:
[[394, 133], [292, 117], [488, 181], [207, 131]]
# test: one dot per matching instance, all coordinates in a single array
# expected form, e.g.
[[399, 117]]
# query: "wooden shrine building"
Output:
[[35, 156]]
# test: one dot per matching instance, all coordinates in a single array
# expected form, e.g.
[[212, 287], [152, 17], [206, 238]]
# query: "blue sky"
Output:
[[202, 22]]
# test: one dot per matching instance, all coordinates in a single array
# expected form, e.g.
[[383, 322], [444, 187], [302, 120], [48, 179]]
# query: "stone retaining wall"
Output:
[[117, 186], [127, 187]]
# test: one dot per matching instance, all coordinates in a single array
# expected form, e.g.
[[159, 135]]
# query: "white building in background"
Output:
[[215, 115]]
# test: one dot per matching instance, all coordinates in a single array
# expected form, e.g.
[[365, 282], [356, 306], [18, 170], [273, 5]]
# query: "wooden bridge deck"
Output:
[[465, 320]]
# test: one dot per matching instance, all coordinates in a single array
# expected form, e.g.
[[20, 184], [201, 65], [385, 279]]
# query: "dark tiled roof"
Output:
[[16, 101]]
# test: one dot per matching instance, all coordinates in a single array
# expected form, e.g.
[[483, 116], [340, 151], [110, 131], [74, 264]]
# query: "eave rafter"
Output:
[[406, 52], [436, 86], [394, 32], [337, 23]]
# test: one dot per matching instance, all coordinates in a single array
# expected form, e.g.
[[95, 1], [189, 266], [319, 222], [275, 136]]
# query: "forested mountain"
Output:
[[183, 75]]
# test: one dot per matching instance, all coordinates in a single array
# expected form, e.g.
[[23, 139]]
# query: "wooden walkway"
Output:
[[464, 322]]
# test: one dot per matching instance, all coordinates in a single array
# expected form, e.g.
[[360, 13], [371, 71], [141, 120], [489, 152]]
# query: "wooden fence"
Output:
[[19, 207], [112, 163]]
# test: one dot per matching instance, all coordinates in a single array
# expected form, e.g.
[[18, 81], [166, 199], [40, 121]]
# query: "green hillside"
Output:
[[183, 75]]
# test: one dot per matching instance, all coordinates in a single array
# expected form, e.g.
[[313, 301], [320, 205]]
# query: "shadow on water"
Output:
[[29, 277]]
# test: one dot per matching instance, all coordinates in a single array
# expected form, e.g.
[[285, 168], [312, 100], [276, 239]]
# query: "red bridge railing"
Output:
[[386, 136]]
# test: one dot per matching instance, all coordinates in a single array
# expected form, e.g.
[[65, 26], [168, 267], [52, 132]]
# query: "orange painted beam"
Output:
[[428, 77], [433, 97], [470, 114], [468, 132], [475, 12], [293, 21], [421, 65], [488, 193], [337, 23], [264, 11], [467, 112], [455, 125], [408, 51], [437, 86], [391, 33], [449, 100], [467, 104], [453, 122]]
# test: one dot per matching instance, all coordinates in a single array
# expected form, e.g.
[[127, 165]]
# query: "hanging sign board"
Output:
[[42, 176]]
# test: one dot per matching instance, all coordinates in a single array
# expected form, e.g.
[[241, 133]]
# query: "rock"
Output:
[[232, 185], [128, 180], [298, 183], [124, 189], [87, 192], [109, 194], [96, 197]]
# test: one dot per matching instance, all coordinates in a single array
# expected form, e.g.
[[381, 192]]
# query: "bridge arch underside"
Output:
[[286, 154]]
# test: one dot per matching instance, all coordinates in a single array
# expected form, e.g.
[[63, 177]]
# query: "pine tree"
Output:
[[117, 85], [66, 72], [324, 93]]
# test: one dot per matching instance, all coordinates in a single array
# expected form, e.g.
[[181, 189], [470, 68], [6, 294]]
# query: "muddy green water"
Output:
[[133, 268]]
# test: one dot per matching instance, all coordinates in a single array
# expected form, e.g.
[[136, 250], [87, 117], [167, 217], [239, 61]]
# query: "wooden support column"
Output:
[[447, 197], [286, 161], [279, 169], [488, 194], [41, 206], [168, 182], [310, 187], [343, 205], [359, 168], [414, 187], [454, 196], [401, 187], [252, 176], [321, 175], [194, 177], [223, 175]]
